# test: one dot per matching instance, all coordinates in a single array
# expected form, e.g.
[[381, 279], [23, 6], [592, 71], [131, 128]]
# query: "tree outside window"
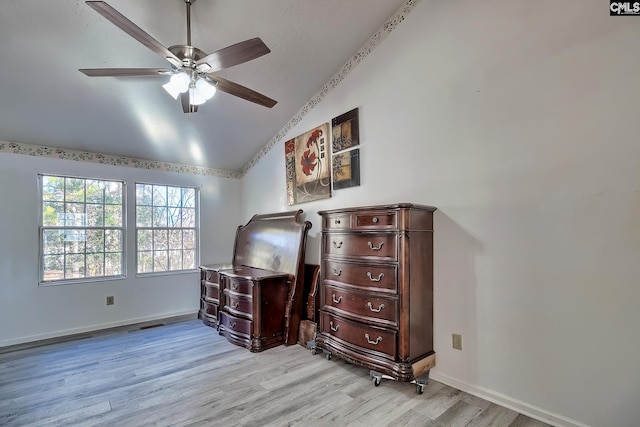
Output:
[[166, 228]]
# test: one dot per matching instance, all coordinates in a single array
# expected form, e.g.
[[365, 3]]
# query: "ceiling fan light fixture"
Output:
[[206, 88], [179, 83], [201, 91]]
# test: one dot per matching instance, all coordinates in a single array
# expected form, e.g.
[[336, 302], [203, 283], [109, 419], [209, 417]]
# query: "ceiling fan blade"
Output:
[[186, 106], [232, 55], [124, 72], [133, 30], [242, 92]]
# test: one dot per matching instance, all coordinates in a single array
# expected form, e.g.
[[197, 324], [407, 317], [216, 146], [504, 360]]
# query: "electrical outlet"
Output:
[[457, 341], [110, 300]]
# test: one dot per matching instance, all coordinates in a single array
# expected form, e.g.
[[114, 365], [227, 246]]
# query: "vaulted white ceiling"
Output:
[[45, 100]]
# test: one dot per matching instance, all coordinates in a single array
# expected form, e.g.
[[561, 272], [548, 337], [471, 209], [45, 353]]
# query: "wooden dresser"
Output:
[[377, 289], [257, 301], [210, 293]]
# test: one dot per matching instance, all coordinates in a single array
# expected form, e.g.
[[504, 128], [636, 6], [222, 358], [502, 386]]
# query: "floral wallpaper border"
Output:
[[84, 156], [358, 57], [106, 159]]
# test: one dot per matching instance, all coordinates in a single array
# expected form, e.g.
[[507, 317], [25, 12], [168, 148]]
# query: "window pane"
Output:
[[53, 242], [52, 213], [188, 217], [113, 193], [163, 213], [175, 239], [143, 216], [145, 262], [189, 197], [95, 193], [95, 215], [159, 239], [53, 267], [113, 215], [159, 195], [83, 247], [53, 188], [175, 260], [112, 264], [95, 241], [159, 217], [174, 195], [145, 242], [143, 194], [95, 265], [113, 240], [189, 239], [175, 217], [74, 191], [74, 241], [74, 266], [189, 259], [74, 215], [160, 261]]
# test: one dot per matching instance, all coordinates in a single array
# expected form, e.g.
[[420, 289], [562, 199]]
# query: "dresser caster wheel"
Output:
[[420, 388], [328, 356], [376, 381]]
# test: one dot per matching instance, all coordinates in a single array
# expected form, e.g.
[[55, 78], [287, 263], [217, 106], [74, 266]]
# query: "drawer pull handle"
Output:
[[334, 329], [337, 272], [373, 309], [337, 245], [234, 286], [375, 248], [380, 276], [336, 300], [232, 324], [372, 342], [337, 221], [236, 304], [375, 220]]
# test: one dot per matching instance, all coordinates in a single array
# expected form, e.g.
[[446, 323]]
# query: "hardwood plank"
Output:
[[494, 415], [459, 415], [185, 374]]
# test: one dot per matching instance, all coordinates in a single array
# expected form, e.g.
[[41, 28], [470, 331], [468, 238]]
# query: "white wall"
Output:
[[518, 120], [29, 312]]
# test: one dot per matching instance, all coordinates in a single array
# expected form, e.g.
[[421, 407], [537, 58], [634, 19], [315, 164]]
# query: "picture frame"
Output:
[[308, 166]]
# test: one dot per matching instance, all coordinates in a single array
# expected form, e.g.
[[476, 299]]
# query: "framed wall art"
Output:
[[346, 169], [308, 166], [345, 158], [345, 131]]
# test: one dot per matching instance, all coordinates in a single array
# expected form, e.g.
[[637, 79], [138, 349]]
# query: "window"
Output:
[[81, 228], [166, 228]]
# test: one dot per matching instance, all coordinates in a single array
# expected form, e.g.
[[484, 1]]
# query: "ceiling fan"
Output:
[[191, 69]]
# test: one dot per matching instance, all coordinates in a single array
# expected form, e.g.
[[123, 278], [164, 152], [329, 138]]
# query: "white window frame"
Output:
[[153, 228], [80, 229]]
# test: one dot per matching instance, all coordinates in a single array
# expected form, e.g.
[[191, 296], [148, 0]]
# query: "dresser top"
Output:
[[395, 206]]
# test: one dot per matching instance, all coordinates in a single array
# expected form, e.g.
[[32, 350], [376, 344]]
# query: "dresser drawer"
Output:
[[366, 245], [375, 220], [364, 306], [235, 324], [238, 285], [210, 291], [209, 308], [362, 335], [336, 222], [238, 304], [379, 278], [210, 276]]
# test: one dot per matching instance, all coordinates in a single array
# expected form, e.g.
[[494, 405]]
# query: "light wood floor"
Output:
[[185, 374]]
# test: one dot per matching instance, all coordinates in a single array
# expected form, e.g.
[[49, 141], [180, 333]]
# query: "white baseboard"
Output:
[[92, 328], [507, 401]]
